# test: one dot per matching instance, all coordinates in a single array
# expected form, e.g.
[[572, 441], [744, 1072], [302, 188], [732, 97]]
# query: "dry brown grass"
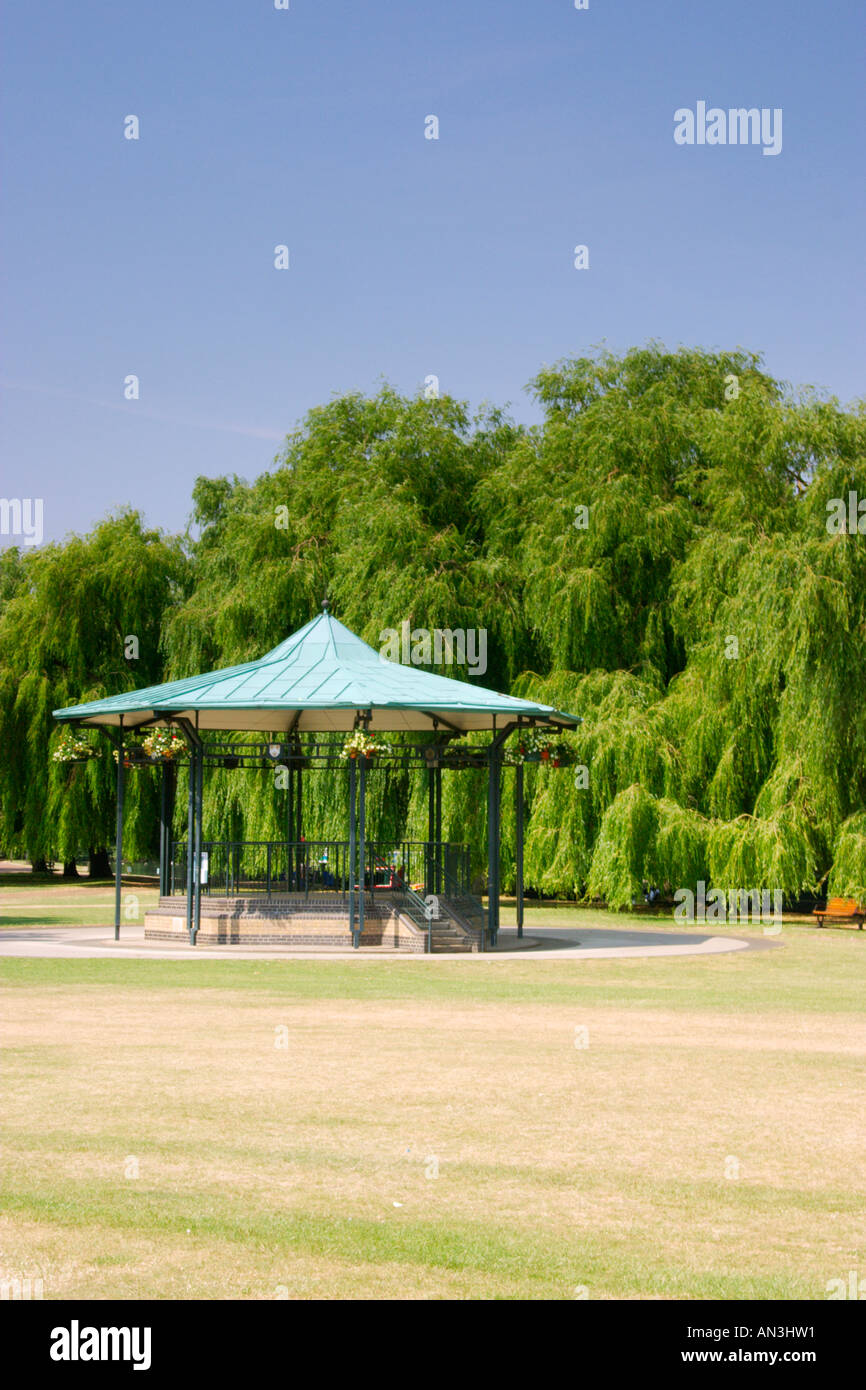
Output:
[[264, 1168]]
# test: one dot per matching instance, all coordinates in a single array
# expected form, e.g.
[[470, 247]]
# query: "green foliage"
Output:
[[848, 876], [66, 613], [654, 556], [624, 854]]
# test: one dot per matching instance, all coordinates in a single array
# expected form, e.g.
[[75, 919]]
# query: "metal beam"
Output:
[[437, 719], [499, 738], [141, 723]]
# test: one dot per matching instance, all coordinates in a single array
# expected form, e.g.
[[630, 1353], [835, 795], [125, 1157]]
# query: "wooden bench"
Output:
[[841, 910]]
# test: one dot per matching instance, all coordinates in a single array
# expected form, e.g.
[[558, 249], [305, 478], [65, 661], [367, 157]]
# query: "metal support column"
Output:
[[362, 834], [162, 799], [118, 836], [199, 789], [487, 936], [431, 830], [190, 832], [299, 828], [290, 826], [493, 838], [168, 784], [518, 817], [438, 886], [169, 826], [352, 780]]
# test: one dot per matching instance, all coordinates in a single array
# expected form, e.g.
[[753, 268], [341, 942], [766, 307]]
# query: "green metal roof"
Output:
[[320, 678]]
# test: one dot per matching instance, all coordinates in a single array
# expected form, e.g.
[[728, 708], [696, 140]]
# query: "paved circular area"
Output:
[[581, 943]]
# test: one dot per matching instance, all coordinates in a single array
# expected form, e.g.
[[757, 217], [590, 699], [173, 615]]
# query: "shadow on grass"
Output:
[[34, 920]]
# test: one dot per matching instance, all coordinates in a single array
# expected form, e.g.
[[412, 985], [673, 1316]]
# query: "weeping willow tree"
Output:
[[848, 875], [600, 503], [79, 621], [654, 556], [742, 758], [658, 555], [371, 502]]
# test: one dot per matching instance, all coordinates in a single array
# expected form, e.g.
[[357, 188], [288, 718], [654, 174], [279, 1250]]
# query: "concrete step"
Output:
[[450, 938]]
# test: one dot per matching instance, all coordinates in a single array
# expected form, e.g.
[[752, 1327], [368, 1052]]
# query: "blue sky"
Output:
[[408, 256]]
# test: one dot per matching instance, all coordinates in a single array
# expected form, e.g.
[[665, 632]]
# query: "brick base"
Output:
[[242, 922]]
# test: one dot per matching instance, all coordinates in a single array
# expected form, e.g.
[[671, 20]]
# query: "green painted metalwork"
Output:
[[118, 838], [323, 678], [319, 678]]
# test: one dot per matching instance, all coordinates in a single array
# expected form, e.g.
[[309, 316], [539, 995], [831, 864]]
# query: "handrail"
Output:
[[457, 893], [414, 900]]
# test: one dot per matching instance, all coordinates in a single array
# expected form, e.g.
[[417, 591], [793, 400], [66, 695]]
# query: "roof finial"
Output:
[[324, 605]]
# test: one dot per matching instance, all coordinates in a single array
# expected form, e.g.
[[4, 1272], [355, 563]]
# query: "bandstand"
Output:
[[317, 702]]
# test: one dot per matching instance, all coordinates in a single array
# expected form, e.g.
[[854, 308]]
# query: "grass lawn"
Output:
[[44, 901], [389, 1129]]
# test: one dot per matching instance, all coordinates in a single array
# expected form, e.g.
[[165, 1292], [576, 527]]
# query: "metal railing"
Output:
[[421, 864], [460, 907], [458, 893], [420, 912], [238, 868], [469, 909]]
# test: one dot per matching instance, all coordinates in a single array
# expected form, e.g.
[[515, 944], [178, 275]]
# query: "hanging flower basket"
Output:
[[360, 745], [555, 755], [163, 744], [534, 747], [72, 748]]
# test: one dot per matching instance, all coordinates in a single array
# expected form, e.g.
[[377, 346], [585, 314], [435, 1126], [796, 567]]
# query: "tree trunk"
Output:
[[69, 869], [39, 866], [100, 866]]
